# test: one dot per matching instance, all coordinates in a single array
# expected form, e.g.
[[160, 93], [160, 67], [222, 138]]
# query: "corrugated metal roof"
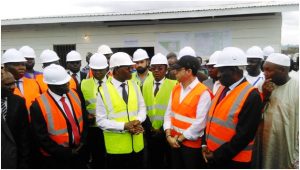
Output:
[[204, 11]]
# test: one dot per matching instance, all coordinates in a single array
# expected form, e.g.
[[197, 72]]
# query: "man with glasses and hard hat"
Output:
[[47, 57], [73, 64], [59, 123], [89, 89], [14, 62], [120, 112], [29, 55], [184, 120], [156, 94], [141, 60], [234, 115]]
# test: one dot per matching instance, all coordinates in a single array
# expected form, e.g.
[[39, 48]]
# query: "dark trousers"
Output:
[[96, 147], [125, 161], [186, 157], [230, 165], [158, 152]]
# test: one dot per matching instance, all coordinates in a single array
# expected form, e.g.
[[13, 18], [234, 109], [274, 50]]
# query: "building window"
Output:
[[62, 50]]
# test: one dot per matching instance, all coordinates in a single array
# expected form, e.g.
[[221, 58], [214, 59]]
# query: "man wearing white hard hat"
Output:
[[253, 72], [105, 50], [185, 117], [141, 60], [156, 94], [47, 57], [73, 60], [234, 115], [280, 134], [120, 111], [212, 82], [29, 55], [89, 89], [14, 62], [59, 123]]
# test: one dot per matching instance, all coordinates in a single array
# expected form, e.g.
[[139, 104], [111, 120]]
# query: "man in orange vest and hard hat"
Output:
[[59, 122], [119, 113], [14, 62], [47, 57], [234, 115], [29, 55], [185, 117]]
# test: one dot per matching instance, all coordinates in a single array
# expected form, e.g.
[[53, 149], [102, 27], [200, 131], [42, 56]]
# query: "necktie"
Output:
[[223, 94], [3, 109], [75, 78], [18, 85], [99, 85], [124, 93], [156, 88], [71, 120]]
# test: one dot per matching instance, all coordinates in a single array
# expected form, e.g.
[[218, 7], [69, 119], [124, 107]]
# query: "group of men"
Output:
[[123, 111]]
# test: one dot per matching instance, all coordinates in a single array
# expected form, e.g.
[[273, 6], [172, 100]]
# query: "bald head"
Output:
[[7, 82]]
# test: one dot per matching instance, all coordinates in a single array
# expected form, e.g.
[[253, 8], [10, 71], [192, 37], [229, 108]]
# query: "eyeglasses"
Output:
[[158, 68]]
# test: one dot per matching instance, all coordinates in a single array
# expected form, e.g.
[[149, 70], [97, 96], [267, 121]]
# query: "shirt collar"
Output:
[[236, 83], [192, 85], [117, 83], [56, 96], [160, 82]]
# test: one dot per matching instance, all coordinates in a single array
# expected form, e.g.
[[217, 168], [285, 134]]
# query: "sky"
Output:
[[40, 8]]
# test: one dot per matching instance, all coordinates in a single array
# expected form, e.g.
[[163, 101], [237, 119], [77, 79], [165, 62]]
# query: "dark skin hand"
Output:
[[267, 88], [134, 127]]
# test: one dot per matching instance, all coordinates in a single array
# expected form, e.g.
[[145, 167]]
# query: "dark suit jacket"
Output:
[[16, 143], [82, 75], [61, 157]]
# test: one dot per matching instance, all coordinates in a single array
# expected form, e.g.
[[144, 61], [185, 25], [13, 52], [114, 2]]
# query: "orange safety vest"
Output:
[[31, 91], [223, 118], [184, 114], [72, 84], [43, 86], [55, 120]]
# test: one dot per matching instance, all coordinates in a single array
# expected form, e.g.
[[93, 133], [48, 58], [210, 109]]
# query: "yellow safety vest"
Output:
[[121, 142]]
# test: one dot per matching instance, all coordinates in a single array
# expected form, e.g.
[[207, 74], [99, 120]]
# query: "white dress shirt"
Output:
[[101, 115], [217, 84], [196, 130], [77, 76], [234, 85], [256, 81], [160, 83]]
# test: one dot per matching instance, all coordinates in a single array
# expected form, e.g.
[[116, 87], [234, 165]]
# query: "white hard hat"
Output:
[[12, 56], [254, 52], [98, 61], [279, 59], [104, 49], [186, 51], [139, 55], [213, 58], [120, 59], [159, 59], [73, 56], [48, 56], [268, 50], [56, 75], [231, 56], [27, 52]]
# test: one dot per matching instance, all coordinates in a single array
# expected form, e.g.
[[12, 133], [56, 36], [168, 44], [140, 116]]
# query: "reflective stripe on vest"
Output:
[[182, 118], [121, 142], [222, 126]]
